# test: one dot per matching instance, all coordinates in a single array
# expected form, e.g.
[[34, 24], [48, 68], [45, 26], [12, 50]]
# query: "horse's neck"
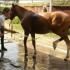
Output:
[[21, 13]]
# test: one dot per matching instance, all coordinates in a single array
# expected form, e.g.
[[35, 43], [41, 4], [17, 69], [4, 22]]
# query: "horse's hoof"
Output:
[[65, 59], [1, 60], [54, 46], [34, 56], [26, 54]]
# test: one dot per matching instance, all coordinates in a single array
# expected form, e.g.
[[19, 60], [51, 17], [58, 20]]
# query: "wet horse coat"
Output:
[[41, 23]]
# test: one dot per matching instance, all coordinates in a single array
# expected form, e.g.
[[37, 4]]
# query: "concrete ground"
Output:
[[46, 58]]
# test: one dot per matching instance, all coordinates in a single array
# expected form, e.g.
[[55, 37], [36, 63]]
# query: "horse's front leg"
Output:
[[56, 42], [33, 42], [25, 45]]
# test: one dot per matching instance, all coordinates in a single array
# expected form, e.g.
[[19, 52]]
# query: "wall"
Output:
[[62, 8], [35, 8], [55, 8]]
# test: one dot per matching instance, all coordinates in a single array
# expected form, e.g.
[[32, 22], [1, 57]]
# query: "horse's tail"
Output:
[[9, 30]]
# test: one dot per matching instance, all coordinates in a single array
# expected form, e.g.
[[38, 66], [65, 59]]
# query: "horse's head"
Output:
[[13, 12], [17, 10]]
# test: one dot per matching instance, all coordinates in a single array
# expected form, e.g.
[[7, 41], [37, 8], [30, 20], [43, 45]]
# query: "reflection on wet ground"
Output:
[[44, 62], [14, 59]]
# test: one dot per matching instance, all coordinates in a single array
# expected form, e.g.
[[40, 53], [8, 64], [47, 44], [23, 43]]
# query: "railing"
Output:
[[22, 1], [60, 2]]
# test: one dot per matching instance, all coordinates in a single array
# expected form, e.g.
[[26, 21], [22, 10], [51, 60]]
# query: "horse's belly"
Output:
[[39, 25], [41, 30]]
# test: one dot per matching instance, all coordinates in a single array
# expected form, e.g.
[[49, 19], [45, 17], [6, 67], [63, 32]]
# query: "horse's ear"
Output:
[[12, 5]]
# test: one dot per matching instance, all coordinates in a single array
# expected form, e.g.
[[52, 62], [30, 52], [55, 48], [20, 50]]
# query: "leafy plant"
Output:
[[16, 20]]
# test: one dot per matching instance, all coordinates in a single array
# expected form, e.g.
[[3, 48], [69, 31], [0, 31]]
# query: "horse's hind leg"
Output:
[[55, 42], [66, 39], [33, 42], [25, 41]]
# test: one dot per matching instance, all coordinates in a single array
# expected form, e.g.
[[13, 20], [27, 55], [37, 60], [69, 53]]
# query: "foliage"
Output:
[[1, 8], [16, 20], [17, 24]]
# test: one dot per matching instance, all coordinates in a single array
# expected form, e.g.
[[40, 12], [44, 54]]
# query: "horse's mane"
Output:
[[22, 8]]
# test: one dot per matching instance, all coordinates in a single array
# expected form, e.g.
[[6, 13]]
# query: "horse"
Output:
[[41, 23]]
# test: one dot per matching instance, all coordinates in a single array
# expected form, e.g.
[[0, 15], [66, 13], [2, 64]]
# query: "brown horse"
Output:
[[42, 23]]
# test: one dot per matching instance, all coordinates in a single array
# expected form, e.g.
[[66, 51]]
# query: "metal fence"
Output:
[[23, 1], [57, 2]]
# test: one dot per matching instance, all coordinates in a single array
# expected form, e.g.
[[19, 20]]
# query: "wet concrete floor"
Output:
[[14, 59]]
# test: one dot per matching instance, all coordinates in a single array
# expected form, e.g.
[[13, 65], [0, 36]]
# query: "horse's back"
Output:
[[58, 17], [45, 14], [59, 13]]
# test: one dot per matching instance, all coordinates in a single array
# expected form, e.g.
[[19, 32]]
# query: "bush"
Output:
[[16, 20]]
